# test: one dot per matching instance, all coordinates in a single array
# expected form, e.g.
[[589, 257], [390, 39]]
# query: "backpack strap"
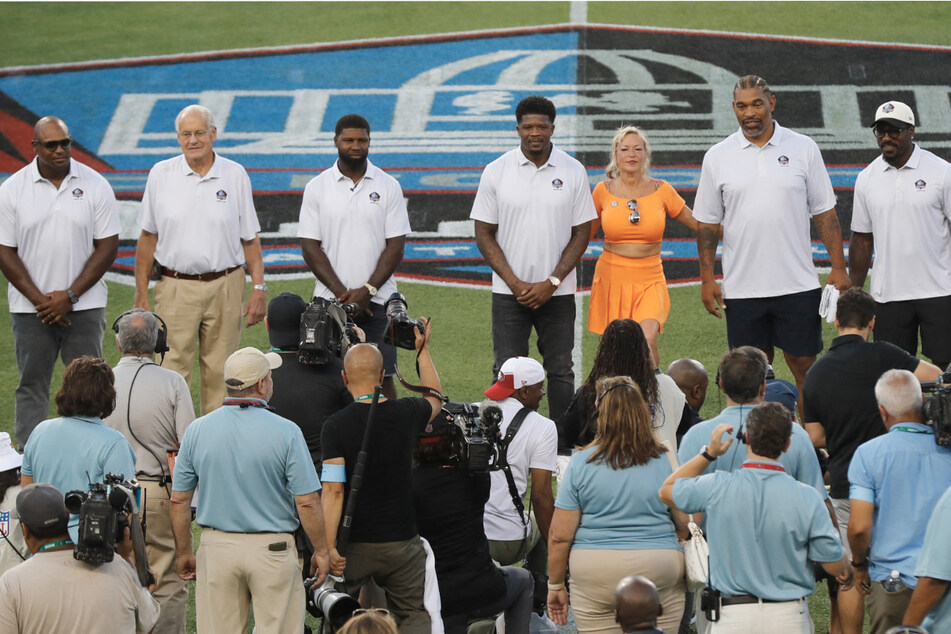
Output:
[[503, 461]]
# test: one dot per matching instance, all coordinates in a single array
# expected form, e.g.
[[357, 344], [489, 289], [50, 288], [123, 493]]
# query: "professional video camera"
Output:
[[936, 410], [400, 328], [103, 517], [480, 433], [326, 331], [336, 608]]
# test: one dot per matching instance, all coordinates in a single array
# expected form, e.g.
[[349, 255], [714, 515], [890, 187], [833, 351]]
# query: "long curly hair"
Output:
[[623, 351], [624, 437]]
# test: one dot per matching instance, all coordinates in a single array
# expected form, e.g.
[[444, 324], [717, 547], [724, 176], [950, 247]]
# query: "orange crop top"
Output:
[[614, 214]]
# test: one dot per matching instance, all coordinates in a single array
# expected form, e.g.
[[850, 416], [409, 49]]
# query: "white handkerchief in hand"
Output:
[[830, 297]]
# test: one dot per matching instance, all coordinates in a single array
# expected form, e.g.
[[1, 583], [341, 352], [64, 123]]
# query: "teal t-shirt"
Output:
[[620, 509]]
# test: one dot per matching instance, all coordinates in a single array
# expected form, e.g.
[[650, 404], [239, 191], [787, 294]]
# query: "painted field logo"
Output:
[[442, 107]]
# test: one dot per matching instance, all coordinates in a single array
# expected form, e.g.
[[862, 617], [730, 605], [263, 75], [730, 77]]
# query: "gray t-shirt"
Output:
[[86, 598]]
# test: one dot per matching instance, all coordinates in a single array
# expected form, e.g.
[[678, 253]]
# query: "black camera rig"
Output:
[[936, 410], [326, 331]]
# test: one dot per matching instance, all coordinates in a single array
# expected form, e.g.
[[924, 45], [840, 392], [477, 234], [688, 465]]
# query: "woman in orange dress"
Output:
[[632, 207]]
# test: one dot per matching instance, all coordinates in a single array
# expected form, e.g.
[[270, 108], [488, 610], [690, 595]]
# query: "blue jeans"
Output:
[[517, 604], [37, 346], [554, 322]]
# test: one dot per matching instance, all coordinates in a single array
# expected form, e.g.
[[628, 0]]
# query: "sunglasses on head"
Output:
[[52, 145], [634, 217]]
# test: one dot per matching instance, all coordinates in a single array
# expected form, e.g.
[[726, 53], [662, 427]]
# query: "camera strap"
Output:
[[419, 389], [503, 459]]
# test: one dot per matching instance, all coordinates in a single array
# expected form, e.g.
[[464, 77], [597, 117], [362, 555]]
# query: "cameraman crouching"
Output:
[[450, 500], [53, 592]]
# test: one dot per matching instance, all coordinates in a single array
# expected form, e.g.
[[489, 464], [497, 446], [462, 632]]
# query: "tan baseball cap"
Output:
[[247, 366]]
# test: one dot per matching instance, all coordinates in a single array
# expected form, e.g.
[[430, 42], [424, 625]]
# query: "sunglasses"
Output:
[[52, 145], [635, 217], [360, 611], [892, 131]]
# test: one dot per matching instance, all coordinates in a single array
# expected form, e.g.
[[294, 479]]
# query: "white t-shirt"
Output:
[[909, 212], [765, 198], [53, 229], [534, 446], [669, 411], [353, 224], [200, 221], [535, 209]]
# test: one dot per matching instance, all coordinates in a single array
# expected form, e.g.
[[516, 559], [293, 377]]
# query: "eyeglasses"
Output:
[[198, 134], [881, 130], [635, 217], [52, 145], [360, 611]]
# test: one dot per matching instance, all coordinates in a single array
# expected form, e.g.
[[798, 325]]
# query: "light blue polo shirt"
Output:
[[935, 562], [249, 463], [799, 460], [620, 509], [61, 451], [765, 528], [903, 473]]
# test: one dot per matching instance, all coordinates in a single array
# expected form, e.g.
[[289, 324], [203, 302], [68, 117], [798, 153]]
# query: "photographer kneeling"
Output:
[[450, 499]]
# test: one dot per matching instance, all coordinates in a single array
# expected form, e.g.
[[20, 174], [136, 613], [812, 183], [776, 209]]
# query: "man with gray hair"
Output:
[[199, 228], [896, 481], [153, 409]]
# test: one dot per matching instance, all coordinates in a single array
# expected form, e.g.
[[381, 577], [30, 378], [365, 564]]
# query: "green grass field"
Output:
[[43, 33]]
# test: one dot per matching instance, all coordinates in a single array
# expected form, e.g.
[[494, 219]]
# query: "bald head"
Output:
[[638, 604], [363, 365], [692, 379], [47, 124]]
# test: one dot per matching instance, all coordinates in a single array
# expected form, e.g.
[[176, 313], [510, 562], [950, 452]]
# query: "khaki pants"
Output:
[[789, 617], [511, 552], [171, 590], [238, 570], [596, 573], [209, 312], [886, 610]]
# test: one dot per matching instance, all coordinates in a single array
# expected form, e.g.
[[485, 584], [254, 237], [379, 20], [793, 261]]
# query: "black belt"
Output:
[[159, 479], [200, 277], [745, 599]]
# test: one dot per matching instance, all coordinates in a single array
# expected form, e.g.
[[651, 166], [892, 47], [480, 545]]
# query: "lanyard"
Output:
[[912, 430], [243, 403], [763, 465], [364, 397], [56, 544]]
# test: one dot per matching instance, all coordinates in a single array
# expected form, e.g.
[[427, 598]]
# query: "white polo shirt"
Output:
[[353, 224], [200, 221], [909, 212], [534, 446], [53, 229], [535, 209], [764, 197]]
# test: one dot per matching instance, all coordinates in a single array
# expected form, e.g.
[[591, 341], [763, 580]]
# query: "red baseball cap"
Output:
[[515, 373]]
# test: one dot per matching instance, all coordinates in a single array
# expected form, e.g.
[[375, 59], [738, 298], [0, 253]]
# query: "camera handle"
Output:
[[343, 536]]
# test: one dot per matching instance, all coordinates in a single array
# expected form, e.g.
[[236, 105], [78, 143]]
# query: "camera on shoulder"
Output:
[[326, 331]]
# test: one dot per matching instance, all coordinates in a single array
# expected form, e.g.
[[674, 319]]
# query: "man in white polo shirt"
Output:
[[59, 233], [763, 183], [902, 209], [353, 223], [532, 214], [199, 227]]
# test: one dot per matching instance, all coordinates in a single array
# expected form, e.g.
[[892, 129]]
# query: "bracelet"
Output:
[[555, 587], [707, 456], [860, 565]]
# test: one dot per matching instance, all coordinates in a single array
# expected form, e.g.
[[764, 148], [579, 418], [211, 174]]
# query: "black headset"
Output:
[[161, 340]]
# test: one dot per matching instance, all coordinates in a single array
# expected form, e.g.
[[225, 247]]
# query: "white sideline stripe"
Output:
[[579, 12]]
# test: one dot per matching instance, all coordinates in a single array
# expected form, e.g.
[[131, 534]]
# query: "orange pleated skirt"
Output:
[[627, 288]]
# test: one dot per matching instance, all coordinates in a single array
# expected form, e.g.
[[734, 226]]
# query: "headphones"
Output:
[[161, 340]]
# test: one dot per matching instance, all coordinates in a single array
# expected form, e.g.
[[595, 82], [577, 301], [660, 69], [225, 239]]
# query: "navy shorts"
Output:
[[789, 322], [899, 323]]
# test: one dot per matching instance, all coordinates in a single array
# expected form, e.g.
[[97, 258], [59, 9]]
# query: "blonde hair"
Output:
[[370, 623], [612, 170], [624, 437]]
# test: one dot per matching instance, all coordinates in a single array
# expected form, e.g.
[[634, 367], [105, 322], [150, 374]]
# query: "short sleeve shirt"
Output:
[[535, 209], [763, 528], [53, 229], [765, 197], [909, 212], [200, 220], [614, 213], [248, 465], [935, 562], [619, 508], [353, 223], [880, 473], [534, 446]]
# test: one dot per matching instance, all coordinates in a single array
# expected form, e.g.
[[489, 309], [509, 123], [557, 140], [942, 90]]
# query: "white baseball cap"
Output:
[[247, 366], [9, 458], [515, 373], [894, 112]]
